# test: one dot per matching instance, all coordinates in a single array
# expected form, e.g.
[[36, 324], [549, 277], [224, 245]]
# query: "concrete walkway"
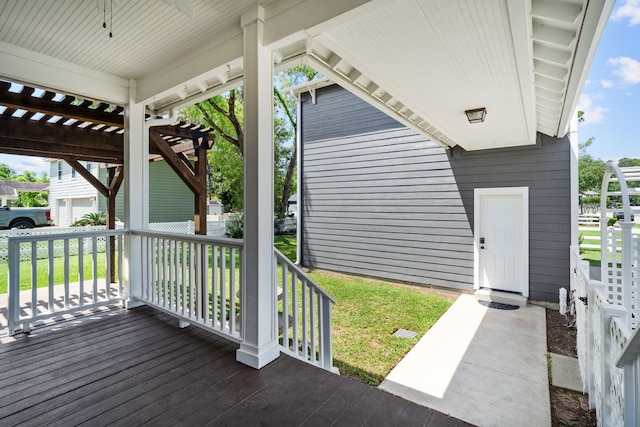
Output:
[[485, 366]]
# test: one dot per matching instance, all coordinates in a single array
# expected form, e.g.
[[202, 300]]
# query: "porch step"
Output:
[[491, 295]]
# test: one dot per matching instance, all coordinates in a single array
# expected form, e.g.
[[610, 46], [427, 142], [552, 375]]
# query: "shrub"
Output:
[[93, 218], [235, 226], [611, 222]]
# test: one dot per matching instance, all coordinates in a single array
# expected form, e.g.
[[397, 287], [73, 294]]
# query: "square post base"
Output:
[[258, 357]]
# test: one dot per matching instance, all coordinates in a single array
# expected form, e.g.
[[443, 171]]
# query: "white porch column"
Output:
[[136, 178], [260, 345]]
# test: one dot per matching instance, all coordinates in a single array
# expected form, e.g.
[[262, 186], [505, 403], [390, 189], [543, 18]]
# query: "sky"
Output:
[[610, 98]]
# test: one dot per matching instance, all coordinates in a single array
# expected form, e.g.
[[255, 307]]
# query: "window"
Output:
[[88, 166], [59, 170], [73, 173]]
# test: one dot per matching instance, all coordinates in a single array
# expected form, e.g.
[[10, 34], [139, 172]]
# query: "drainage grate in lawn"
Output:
[[404, 333], [499, 305]]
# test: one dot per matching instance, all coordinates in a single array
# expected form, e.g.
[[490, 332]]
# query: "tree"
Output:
[[590, 170], [627, 162], [287, 107], [6, 172], [224, 113], [31, 198]]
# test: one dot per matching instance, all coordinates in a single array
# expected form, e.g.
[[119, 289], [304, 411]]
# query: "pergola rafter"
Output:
[[74, 130]]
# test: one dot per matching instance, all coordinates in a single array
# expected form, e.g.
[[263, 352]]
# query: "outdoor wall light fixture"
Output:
[[476, 115]]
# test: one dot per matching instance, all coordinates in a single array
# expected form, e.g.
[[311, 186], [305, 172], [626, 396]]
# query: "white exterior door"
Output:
[[502, 239]]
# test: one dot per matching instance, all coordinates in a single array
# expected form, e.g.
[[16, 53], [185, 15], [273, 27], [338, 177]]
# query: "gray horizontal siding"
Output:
[[380, 200]]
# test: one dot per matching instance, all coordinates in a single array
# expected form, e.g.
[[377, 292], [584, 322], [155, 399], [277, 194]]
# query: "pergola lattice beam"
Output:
[[64, 108]]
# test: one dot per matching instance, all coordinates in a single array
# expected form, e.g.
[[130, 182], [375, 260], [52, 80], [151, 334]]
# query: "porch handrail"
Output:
[[304, 315], [197, 279], [60, 298]]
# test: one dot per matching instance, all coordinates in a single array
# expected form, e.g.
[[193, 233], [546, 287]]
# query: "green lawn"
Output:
[[58, 272], [366, 314], [593, 256]]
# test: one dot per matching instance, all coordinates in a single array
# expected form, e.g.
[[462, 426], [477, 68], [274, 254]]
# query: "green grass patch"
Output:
[[287, 245], [58, 271], [593, 256], [366, 314]]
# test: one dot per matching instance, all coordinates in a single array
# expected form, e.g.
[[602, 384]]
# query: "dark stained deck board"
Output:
[[136, 367]]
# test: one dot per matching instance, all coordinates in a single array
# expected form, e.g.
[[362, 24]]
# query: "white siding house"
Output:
[[71, 196]]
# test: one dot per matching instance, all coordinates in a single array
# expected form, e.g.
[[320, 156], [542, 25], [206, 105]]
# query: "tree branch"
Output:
[[234, 120], [211, 123], [285, 107]]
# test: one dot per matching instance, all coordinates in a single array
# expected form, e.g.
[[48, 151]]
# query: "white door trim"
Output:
[[501, 191]]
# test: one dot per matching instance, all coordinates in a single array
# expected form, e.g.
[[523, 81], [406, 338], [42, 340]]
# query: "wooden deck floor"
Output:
[[137, 367]]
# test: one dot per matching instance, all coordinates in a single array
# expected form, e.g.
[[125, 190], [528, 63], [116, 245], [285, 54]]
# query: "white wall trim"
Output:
[[573, 170], [32, 68], [501, 191]]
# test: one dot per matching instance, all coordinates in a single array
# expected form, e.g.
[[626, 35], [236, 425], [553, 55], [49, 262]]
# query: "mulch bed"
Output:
[[568, 408]]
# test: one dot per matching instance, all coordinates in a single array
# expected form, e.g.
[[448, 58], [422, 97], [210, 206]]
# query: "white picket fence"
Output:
[[214, 228], [608, 351]]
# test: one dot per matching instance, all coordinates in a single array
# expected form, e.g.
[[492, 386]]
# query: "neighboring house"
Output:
[[380, 200], [71, 196], [9, 189]]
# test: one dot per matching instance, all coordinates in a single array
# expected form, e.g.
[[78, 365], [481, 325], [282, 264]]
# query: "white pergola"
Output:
[[424, 62]]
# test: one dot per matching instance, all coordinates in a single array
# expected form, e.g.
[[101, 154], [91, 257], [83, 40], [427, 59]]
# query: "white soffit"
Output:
[[435, 60], [430, 61], [424, 62]]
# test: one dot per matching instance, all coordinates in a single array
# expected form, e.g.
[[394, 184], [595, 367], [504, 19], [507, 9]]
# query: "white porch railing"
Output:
[[195, 278], [81, 258], [304, 315], [603, 338]]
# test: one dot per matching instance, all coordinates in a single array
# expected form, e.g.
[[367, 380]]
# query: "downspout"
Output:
[[299, 181]]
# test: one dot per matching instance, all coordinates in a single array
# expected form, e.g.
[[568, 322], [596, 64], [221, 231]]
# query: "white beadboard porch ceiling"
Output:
[[147, 34], [422, 61]]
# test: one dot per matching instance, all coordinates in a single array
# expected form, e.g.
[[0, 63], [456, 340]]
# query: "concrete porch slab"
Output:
[[490, 295], [485, 366]]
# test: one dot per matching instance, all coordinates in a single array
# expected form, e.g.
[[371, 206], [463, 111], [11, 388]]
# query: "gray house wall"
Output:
[[380, 200]]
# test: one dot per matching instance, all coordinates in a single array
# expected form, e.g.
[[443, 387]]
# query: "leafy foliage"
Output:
[[590, 170], [225, 114], [26, 198], [235, 226], [93, 218]]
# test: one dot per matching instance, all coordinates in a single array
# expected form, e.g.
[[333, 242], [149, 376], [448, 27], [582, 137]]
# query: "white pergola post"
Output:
[[136, 166], [260, 344]]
